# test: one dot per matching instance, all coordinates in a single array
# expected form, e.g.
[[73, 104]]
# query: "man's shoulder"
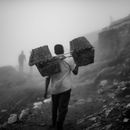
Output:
[[69, 60]]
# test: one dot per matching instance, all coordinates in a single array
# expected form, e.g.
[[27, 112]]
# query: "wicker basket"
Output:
[[45, 63], [82, 51], [40, 54], [49, 68]]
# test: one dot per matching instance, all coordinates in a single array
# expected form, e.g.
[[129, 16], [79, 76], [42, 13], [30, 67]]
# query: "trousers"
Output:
[[60, 108]]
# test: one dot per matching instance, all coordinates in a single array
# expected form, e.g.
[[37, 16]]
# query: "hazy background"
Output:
[[27, 24]]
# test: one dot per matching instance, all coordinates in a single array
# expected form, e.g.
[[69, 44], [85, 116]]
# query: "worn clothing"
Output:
[[62, 81], [61, 84], [60, 106]]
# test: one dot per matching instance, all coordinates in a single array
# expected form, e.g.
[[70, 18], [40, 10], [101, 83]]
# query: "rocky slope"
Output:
[[114, 38]]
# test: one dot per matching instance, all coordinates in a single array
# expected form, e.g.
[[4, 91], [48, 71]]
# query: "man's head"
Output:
[[59, 49]]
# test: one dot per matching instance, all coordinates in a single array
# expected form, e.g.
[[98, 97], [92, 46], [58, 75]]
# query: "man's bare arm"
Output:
[[46, 86]]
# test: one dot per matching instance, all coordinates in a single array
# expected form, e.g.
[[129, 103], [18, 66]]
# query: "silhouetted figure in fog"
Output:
[[21, 60], [61, 84]]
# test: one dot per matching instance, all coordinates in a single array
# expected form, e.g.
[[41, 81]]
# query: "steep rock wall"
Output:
[[113, 40]]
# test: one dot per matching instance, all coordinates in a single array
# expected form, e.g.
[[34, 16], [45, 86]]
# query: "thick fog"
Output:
[[27, 24]]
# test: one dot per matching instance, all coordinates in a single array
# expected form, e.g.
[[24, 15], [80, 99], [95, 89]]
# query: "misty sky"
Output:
[[27, 24]]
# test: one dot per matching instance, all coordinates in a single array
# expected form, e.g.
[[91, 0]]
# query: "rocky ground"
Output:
[[38, 114]]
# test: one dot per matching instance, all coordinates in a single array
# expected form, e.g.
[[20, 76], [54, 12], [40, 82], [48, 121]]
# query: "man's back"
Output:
[[62, 81]]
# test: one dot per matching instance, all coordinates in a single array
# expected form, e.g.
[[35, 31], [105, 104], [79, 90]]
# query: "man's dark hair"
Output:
[[59, 49]]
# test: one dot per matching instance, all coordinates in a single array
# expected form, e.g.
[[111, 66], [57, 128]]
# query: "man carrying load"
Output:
[[61, 84], [58, 71]]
